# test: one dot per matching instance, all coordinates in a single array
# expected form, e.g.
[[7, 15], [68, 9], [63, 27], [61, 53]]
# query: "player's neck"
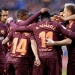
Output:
[[45, 19]]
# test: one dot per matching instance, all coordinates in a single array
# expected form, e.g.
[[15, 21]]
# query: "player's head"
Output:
[[45, 16], [22, 14], [69, 9], [53, 16], [4, 14], [61, 12]]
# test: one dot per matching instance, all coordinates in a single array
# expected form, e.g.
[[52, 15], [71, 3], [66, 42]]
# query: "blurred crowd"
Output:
[[34, 5]]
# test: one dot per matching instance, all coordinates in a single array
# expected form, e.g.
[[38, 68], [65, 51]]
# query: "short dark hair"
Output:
[[53, 13], [22, 12], [4, 8], [45, 15], [62, 9]]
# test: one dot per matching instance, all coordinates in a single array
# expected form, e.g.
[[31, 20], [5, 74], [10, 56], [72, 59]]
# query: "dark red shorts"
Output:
[[22, 69], [48, 67], [71, 68], [2, 61]]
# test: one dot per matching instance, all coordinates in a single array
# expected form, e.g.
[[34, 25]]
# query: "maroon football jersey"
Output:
[[3, 34], [20, 40], [3, 30], [71, 47]]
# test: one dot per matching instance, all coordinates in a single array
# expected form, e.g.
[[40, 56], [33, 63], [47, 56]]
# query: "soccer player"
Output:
[[11, 62], [21, 17], [3, 32], [68, 10], [23, 61]]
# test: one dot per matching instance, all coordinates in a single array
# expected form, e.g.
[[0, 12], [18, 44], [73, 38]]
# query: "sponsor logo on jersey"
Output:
[[2, 32]]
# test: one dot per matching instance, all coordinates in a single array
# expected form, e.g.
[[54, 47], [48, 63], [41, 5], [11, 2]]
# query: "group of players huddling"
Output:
[[31, 45]]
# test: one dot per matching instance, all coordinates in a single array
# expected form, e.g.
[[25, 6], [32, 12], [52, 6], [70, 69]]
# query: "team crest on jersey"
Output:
[[2, 32], [37, 27]]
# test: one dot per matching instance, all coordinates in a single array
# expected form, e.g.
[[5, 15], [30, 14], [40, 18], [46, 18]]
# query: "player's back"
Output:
[[20, 40], [43, 30]]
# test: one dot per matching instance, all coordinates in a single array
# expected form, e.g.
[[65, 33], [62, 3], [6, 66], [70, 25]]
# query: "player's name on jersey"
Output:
[[47, 25]]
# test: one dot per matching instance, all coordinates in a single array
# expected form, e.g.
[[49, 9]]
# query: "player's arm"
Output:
[[8, 38], [50, 42], [34, 49], [72, 17], [17, 28], [68, 33], [25, 28], [5, 40]]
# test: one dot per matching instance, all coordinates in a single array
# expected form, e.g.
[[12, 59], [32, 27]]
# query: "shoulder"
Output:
[[32, 25]]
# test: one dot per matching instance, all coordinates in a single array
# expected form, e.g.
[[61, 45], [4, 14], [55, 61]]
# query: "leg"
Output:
[[22, 69]]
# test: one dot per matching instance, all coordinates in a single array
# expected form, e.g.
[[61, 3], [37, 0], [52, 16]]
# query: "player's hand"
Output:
[[37, 62], [59, 18], [4, 71], [44, 10], [49, 42], [9, 20]]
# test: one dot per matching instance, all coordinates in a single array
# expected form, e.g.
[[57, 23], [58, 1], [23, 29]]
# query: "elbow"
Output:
[[69, 42]]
